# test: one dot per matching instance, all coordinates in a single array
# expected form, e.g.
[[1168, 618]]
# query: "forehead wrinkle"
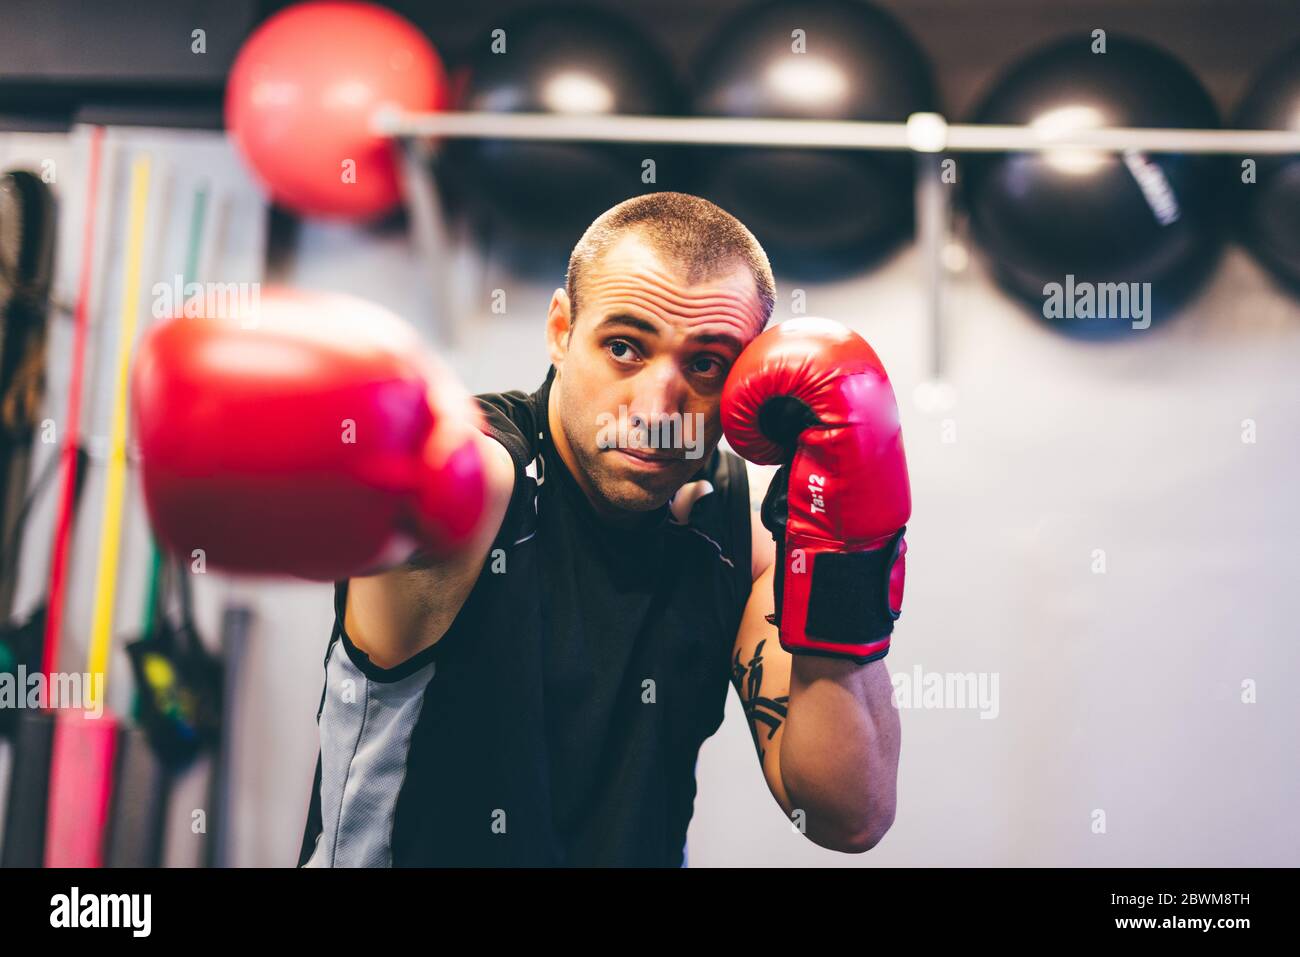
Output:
[[709, 301], [723, 311], [651, 272], [668, 287], [660, 294]]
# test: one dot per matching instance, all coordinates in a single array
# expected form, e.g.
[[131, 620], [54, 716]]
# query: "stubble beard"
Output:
[[614, 490]]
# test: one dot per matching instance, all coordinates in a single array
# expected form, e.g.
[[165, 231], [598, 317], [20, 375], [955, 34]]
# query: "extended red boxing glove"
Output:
[[310, 436], [811, 395]]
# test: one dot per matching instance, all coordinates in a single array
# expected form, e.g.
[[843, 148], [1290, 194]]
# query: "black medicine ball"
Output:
[[567, 59], [1269, 208], [1091, 220], [815, 211]]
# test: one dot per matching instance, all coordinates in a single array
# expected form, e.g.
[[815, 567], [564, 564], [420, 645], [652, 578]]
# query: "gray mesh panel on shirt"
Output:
[[364, 745]]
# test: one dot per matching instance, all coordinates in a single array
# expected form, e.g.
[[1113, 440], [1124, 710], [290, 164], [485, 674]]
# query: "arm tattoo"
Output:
[[748, 679]]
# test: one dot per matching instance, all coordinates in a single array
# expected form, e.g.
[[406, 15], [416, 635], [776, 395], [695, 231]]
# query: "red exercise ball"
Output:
[[301, 95]]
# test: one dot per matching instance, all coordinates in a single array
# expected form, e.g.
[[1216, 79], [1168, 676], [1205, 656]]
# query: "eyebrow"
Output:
[[720, 338], [650, 329], [636, 322]]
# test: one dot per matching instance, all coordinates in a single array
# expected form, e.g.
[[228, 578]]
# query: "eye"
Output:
[[621, 351], [709, 367]]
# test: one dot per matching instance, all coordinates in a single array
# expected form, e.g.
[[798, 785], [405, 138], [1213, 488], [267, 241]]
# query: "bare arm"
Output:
[[398, 613], [826, 731]]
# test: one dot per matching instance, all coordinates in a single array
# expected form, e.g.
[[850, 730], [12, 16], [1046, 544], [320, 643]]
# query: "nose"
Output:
[[659, 391]]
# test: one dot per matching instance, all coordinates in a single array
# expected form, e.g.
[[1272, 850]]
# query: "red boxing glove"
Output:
[[812, 395], [311, 437]]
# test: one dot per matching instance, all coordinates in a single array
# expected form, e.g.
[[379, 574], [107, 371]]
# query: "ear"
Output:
[[559, 325]]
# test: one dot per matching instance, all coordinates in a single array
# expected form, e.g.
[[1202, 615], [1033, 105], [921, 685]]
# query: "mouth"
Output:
[[645, 461]]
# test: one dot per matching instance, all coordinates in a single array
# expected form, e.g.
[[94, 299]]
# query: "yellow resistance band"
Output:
[[115, 490]]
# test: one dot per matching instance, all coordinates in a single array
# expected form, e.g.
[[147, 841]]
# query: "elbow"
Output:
[[854, 836], [851, 817], [861, 839]]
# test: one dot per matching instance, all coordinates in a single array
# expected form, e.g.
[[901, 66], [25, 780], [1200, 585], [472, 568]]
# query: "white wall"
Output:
[[1119, 692]]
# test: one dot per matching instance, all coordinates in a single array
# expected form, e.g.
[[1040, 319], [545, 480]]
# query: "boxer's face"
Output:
[[640, 372]]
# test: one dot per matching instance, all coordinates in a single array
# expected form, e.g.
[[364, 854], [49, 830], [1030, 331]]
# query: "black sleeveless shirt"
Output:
[[559, 719]]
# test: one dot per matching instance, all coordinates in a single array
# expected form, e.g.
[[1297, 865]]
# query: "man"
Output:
[[532, 686]]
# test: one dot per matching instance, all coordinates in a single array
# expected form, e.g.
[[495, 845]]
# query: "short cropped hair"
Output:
[[701, 239]]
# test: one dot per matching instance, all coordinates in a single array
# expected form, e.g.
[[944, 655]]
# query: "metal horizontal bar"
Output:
[[974, 137], [926, 132]]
